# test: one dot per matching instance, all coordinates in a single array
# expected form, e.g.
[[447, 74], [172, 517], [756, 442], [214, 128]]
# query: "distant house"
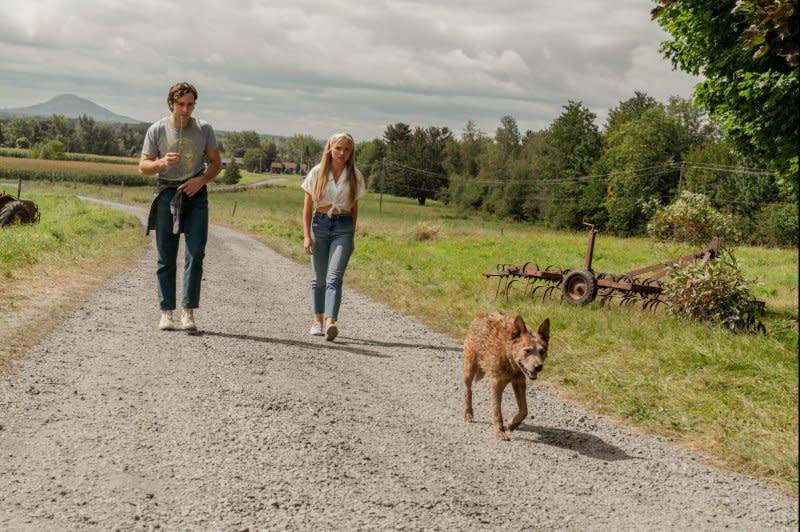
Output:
[[288, 168]]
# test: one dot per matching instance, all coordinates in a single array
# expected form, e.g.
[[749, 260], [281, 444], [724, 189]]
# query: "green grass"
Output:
[[69, 230], [731, 396]]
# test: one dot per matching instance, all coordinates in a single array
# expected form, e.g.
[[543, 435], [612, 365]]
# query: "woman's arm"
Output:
[[308, 211]]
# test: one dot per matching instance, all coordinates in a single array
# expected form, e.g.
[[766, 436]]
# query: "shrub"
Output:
[[715, 292], [424, 231], [691, 218], [51, 150]]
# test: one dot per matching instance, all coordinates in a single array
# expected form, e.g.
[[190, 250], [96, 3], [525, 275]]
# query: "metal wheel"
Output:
[[579, 287]]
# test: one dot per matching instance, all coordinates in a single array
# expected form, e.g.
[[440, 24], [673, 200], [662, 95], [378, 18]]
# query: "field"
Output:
[[732, 397]]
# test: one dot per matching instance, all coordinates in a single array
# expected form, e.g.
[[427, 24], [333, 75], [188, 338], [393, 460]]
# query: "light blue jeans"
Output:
[[195, 232], [333, 245]]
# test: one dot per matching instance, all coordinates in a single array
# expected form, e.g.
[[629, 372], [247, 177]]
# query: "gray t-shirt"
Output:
[[194, 143]]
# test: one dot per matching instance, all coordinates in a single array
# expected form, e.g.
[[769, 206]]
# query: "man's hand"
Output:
[[192, 186], [172, 159]]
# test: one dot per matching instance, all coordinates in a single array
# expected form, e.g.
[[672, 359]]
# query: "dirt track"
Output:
[[111, 424]]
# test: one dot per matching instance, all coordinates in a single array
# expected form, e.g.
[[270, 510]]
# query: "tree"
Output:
[[237, 142], [495, 169], [414, 165], [466, 154], [232, 174], [59, 128], [369, 160], [270, 150], [574, 144], [396, 133], [747, 52], [303, 149], [630, 109], [638, 155], [428, 147], [23, 128], [397, 137], [254, 160]]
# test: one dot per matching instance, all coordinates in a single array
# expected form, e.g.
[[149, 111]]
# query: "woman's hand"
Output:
[[308, 245]]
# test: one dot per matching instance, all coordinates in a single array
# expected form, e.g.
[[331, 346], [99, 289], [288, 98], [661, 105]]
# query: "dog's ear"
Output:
[[544, 330], [518, 327]]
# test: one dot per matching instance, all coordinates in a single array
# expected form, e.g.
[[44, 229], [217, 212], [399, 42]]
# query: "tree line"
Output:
[[77, 135], [55, 136], [734, 145], [573, 171]]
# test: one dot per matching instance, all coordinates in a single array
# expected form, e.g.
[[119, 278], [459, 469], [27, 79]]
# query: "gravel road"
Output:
[[110, 424]]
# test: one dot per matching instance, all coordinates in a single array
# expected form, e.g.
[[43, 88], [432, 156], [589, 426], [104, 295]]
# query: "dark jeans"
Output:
[[195, 231], [333, 245]]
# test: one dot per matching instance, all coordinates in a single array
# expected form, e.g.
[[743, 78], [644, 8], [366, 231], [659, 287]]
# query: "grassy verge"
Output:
[[732, 397], [48, 268]]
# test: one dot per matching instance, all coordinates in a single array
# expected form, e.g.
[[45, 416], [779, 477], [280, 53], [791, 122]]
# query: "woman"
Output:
[[330, 213]]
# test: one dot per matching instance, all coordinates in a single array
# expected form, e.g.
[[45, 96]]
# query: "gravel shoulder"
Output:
[[253, 424]]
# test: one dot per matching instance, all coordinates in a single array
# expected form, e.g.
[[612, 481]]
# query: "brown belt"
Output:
[[335, 215]]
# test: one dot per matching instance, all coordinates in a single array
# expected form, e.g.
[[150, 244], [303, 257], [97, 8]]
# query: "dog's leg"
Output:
[[522, 404], [498, 386], [468, 374], [468, 397]]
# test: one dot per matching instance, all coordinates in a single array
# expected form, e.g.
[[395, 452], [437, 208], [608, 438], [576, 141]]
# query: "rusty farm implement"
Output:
[[582, 286], [15, 210]]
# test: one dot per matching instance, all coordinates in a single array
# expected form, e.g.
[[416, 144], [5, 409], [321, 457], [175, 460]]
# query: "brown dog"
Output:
[[507, 351]]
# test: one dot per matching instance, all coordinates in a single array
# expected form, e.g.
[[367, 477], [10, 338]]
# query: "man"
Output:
[[183, 152]]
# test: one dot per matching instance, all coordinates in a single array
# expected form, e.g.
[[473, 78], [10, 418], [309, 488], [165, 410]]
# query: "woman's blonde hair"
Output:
[[326, 164]]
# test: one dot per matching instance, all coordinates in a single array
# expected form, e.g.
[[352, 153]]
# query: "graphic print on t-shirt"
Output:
[[188, 149]]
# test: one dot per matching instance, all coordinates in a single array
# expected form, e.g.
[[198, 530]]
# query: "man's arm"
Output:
[[150, 165], [193, 185]]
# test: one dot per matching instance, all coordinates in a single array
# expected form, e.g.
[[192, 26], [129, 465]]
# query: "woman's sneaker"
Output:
[[331, 332], [316, 329]]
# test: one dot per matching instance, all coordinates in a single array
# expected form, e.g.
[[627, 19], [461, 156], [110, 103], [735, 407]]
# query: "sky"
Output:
[[317, 67]]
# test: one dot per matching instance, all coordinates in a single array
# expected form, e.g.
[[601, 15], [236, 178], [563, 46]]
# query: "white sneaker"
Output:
[[166, 323], [331, 332], [187, 320], [316, 329]]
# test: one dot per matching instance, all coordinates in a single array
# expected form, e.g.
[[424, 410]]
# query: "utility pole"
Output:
[[383, 174]]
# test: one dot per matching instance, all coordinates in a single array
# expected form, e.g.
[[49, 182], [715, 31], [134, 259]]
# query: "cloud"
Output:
[[314, 68]]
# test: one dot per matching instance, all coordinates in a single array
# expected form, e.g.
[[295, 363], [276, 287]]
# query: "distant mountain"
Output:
[[70, 106]]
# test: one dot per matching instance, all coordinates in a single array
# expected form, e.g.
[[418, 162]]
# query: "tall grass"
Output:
[[733, 397]]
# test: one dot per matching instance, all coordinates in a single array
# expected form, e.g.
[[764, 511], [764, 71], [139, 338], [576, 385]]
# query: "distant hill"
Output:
[[70, 106]]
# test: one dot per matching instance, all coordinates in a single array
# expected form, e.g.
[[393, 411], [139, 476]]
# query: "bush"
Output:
[[691, 218], [424, 231], [716, 292], [52, 150]]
